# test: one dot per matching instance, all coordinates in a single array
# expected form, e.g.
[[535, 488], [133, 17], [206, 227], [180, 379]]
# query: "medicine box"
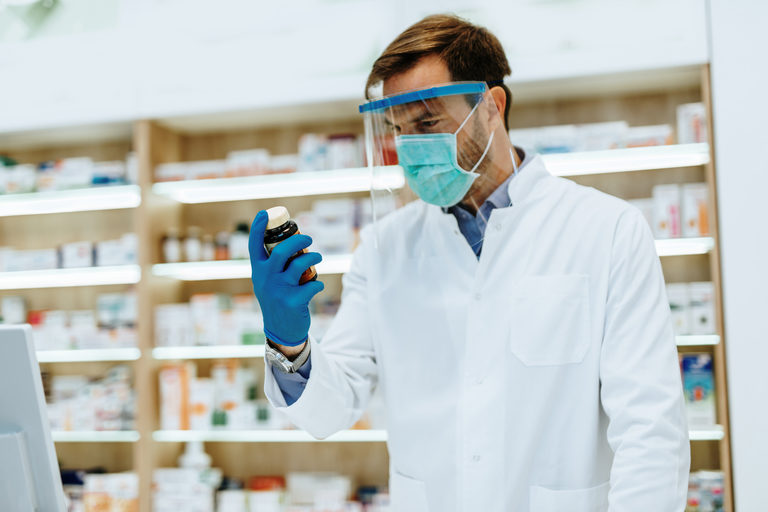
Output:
[[699, 389], [695, 198], [666, 211]]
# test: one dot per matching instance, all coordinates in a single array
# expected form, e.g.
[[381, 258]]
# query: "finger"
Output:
[[300, 264], [309, 290], [284, 250], [256, 237]]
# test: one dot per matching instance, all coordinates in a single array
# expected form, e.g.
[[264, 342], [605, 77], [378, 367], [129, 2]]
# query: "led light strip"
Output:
[[88, 355], [214, 352], [697, 340], [684, 246], [82, 200], [64, 277], [627, 160], [117, 436], [237, 269], [279, 185], [266, 436]]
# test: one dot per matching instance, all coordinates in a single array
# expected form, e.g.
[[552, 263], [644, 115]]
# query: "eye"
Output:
[[428, 123]]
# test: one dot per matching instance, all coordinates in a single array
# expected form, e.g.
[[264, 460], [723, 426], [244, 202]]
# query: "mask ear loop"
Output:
[[487, 146]]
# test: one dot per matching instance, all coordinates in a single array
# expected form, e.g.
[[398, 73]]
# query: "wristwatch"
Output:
[[281, 361]]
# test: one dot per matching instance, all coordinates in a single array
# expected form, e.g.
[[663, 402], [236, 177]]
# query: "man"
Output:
[[515, 322]]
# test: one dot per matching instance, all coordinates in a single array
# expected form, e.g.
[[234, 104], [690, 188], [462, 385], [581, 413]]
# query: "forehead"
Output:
[[427, 72]]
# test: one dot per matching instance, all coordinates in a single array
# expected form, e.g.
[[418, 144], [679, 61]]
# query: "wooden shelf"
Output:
[[81, 200], [714, 433], [268, 436], [214, 352], [295, 184], [627, 160], [98, 436], [69, 277], [88, 355], [237, 269], [684, 246], [697, 340], [347, 436]]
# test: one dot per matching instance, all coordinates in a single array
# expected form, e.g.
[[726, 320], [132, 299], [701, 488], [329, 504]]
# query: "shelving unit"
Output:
[[89, 355], [237, 269], [101, 436], [268, 436], [214, 352], [66, 201], [149, 209], [339, 181], [69, 277]]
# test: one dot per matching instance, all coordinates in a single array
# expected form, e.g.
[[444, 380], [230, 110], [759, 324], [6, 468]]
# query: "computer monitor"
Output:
[[29, 473]]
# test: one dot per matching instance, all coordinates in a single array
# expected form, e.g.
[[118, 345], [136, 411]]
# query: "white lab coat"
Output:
[[543, 377]]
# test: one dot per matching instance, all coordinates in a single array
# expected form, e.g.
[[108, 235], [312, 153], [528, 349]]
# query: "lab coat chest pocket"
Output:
[[550, 319], [592, 499], [407, 494]]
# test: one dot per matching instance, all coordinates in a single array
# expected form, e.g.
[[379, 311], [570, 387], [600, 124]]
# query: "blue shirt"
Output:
[[471, 226]]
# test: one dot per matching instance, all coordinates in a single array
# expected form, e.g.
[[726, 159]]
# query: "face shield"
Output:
[[442, 139]]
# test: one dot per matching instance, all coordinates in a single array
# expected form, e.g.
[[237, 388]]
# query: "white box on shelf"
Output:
[[602, 136], [175, 381], [666, 211], [695, 209], [20, 179], [174, 326], [691, 123], [677, 293], [699, 388], [13, 310], [77, 255], [702, 307], [643, 136], [201, 403], [249, 162]]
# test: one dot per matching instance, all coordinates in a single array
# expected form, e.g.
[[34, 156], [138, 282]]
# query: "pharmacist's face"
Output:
[[437, 115]]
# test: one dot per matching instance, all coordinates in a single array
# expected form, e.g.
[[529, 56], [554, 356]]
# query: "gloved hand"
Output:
[[284, 303]]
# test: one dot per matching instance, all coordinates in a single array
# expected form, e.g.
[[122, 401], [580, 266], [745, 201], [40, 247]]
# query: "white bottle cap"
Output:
[[278, 216]]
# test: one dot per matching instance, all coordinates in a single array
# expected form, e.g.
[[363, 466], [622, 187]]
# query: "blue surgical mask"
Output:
[[432, 168]]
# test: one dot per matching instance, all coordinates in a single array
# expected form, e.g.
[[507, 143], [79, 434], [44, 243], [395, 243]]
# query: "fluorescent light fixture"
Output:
[[83, 200], [237, 269], [214, 352], [714, 433], [697, 340], [88, 355], [627, 160], [65, 277], [267, 436], [96, 436], [279, 185], [684, 246]]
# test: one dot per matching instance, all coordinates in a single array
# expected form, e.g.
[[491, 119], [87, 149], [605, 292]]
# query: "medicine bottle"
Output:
[[193, 247], [238, 242], [279, 228], [171, 246]]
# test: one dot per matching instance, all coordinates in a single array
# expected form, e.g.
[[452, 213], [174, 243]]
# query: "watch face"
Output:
[[278, 360]]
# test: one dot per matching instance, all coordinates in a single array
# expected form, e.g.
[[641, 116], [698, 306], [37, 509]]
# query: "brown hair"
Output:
[[470, 52]]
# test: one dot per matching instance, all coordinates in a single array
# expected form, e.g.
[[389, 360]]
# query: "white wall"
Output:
[[167, 58], [740, 87]]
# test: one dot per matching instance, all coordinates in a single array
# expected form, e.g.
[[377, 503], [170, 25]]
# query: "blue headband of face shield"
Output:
[[430, 161]]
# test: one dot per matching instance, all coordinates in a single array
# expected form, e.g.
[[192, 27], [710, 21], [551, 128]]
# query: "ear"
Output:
[[496, 102]]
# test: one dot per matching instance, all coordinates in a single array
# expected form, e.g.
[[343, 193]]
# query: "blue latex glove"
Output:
[[284, 304]]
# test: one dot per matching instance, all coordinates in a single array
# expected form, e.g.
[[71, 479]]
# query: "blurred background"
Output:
[[139, 138]]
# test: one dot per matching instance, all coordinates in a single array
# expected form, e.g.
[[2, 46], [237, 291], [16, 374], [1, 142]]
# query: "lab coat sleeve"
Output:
[[343, 371], [641, 388]]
